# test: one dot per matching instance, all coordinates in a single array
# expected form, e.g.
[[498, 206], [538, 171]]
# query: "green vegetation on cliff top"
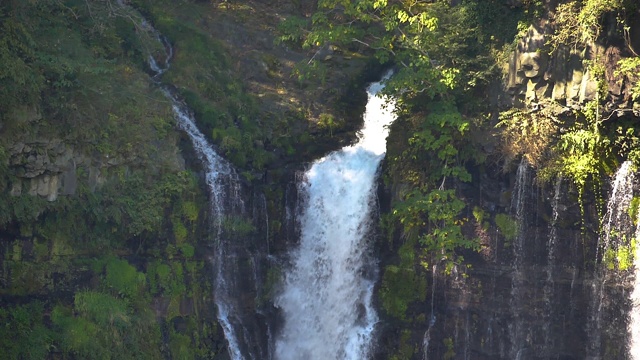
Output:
[[447, 57], [110, 271]]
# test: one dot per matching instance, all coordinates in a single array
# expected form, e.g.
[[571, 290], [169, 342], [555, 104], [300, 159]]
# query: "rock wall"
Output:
[[534, 76], [540, 293]]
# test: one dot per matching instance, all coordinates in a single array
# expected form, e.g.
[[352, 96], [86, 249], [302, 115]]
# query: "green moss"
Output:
[[40, 250], [22, 332], [478, 214], [27, 279], [100, 326], [180, 232], [272, 280], [16, 251], [167, 278], [507, 226], [181, 347], [406, 348], [190, 210], [634, 206], [620, 257], [238, 226], [625, 256], [402, 284], [123, 278], [187, 250], [450, 353]]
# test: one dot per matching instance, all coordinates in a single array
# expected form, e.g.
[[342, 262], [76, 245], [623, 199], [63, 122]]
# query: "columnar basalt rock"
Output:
[[45, 168], [562, 76]]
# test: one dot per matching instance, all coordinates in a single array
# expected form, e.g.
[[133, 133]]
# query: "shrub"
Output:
[[507, 226]]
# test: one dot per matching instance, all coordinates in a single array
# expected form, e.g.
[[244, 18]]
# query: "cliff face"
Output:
[[103, 208], [541, 285], [102, 201]]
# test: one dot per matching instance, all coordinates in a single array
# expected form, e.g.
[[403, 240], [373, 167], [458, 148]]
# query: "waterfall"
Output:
[[634, 317], [548, 290], [615, 227], [327, 293], [223, 187], [615, 221], [426, 338], [518, 208]]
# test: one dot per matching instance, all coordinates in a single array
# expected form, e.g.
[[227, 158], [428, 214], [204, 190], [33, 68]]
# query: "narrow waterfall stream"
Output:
[[634, 317], [549, 314], [223, 187], [616, 228], [426, 338], [326, 301], [517, 328]]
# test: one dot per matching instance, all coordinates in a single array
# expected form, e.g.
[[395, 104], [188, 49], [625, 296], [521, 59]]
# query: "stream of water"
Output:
[[517, 328], [634, 317], [616, 228], [549, 314], [326, 300], [223, 187]]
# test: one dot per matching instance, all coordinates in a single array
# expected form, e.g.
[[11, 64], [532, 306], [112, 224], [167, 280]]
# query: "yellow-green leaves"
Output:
[[377, 4], [629, 67], [578, 22]]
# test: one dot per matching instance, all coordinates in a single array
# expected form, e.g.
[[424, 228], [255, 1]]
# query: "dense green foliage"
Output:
[[446, 56], [442, 53], [115, 269], [402, 284], [583, 145], [100, 304]]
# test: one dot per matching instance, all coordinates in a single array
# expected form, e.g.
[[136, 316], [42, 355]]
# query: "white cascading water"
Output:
[[517, 328], [549, 284], [615, 226], [327, 294], [617, 206], [426, 338], [222, 182], [634, 316]]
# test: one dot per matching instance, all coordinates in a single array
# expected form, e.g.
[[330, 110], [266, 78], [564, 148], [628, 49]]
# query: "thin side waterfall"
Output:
[[615, 227], [426, 338], [549, 291], [616, 222], [517, 327], [223, 186], [326, 301], [634, 316]]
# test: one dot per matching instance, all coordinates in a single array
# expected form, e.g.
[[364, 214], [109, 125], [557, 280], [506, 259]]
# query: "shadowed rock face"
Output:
[[537, 307], [533, 299]]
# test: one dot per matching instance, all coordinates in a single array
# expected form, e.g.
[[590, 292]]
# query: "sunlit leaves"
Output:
[[377, 4], [629, 67], [435, 218], [429, 41], [435, 48]]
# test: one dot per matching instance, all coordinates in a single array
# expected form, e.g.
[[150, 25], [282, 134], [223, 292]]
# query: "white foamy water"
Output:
[[327, 295], [634, 316], [223, 187], [520, 203], [615, 227]]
